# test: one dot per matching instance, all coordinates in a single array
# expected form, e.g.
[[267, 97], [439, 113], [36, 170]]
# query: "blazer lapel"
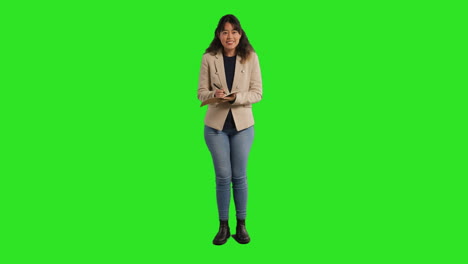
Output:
[[219, 62], [238, 74]]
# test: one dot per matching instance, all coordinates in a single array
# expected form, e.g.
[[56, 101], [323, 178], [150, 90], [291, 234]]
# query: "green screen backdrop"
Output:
[[359, 146]]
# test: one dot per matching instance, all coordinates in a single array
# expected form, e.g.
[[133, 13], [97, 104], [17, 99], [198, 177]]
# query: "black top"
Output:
[[229, 68]]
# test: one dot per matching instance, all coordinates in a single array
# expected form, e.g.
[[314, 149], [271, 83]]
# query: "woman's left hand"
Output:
[[230, 98]]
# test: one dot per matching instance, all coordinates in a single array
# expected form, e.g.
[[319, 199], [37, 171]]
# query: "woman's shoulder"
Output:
[[209, 55], [253, 57]]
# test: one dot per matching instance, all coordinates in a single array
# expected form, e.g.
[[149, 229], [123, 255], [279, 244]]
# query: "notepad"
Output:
[[215, 100]]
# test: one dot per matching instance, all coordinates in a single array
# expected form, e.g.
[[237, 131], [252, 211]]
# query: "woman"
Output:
[[230, 67]]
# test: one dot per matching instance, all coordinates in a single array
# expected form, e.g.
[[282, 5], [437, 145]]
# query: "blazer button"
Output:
[[242, 71]]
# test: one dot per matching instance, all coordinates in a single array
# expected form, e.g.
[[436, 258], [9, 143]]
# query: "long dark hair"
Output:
[[243, 49]]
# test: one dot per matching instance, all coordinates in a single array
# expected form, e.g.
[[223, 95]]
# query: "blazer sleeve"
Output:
[[254, 94], [204, 91]]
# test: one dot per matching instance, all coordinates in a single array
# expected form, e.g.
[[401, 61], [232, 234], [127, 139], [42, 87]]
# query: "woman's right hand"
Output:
[[219, 93]]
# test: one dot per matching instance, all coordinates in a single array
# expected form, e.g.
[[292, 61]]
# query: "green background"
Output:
[[359, 149]]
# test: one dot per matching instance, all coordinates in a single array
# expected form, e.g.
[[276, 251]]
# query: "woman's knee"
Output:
[[239, 181], [223, 176]]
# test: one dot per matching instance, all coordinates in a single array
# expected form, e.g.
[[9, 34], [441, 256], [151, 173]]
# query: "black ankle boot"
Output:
[[223, 233], [241, 236]]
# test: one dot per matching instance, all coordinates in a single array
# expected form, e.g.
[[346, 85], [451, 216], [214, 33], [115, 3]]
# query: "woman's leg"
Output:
[[218, 144], [240, 147]]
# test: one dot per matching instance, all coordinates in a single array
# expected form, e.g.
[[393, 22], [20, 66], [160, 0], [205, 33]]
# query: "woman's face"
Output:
[[229, 38]]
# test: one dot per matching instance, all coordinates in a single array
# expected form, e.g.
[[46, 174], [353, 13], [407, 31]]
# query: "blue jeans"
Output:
[[230, 150]]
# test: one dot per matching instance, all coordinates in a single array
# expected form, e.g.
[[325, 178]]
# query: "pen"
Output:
[[216, 86]]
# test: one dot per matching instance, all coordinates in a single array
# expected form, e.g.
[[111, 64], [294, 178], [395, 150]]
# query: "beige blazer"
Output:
[[247, 85]]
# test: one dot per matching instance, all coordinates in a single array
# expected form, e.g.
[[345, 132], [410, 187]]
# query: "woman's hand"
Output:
[[219, 93], [230, 98]]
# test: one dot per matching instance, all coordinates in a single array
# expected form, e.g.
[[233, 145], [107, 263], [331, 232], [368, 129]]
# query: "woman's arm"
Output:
[[255, 87], [204, 90]]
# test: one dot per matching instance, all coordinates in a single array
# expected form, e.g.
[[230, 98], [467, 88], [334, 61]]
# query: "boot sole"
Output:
[[222, 243], [241, 241]]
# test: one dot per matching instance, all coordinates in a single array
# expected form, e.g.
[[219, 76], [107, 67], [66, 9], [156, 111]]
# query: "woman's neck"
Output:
[[229, 53]]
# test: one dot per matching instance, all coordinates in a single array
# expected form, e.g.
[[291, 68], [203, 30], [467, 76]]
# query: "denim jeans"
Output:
[[230, 150]]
